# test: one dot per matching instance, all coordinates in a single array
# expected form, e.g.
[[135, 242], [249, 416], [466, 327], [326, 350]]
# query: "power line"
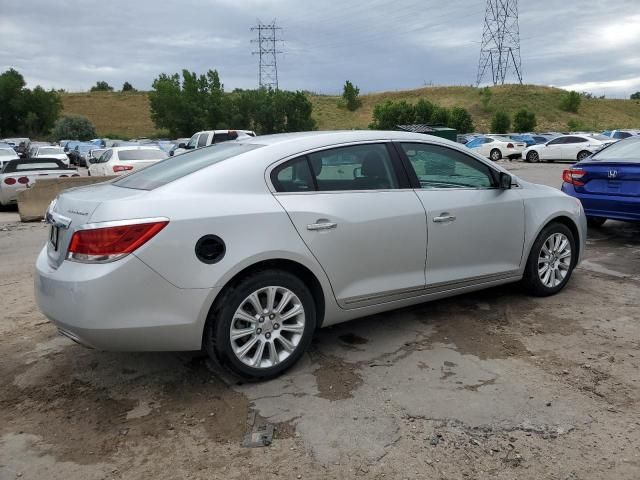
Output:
[[267, 42], [500, 49]]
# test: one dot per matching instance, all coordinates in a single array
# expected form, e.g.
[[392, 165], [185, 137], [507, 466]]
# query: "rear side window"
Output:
[[179, 166], [132, 155], [293, 176], [357, 167]]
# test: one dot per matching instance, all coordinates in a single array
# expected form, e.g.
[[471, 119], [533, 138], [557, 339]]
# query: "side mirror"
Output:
[[504, 181], [182, 145]]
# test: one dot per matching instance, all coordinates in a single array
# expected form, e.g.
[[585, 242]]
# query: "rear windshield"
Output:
[[7, 153], [29, 165], [627, 150], [177, 167], [130, 155], [50, 151]]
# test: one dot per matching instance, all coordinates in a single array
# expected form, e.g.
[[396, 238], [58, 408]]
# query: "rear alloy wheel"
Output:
[[495, 155], [596, 222], [264, 325], [551, 261], [533, 157], [582, 155]]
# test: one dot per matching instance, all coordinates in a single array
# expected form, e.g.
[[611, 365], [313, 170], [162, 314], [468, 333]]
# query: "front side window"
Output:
[[357, 167], [442, 167], [557, 141], [202, 141]]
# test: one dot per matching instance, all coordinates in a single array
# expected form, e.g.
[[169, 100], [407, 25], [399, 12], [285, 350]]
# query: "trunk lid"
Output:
[[610, 178], [75, 208]]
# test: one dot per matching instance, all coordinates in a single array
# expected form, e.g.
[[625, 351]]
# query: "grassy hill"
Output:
[[127, 114]]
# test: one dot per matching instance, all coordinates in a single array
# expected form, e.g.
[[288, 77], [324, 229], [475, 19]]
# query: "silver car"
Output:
[[245, 248]]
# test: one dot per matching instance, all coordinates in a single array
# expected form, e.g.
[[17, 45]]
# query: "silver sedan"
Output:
[[243, 249]]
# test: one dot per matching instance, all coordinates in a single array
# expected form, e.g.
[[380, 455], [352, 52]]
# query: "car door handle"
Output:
[[321, 226], [443, 218]]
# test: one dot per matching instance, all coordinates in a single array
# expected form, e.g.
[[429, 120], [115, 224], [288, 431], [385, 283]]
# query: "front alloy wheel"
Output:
[[554, 260], [533, 157], [551, 261]]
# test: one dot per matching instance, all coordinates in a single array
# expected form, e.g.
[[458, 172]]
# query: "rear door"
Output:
[[475, 230], [572, 146], [353, 208]]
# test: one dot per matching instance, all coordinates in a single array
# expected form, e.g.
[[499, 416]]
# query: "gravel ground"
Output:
[[494, 385]]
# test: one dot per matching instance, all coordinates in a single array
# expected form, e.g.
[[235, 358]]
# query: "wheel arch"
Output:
[[291, 266], [566, 221]]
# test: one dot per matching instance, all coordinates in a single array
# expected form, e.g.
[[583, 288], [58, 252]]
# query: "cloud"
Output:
[[378, 44]]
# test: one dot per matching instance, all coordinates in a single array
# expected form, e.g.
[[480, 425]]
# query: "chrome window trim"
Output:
[[120, 223]]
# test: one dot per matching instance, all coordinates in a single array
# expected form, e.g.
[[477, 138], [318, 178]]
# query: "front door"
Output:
[[353, 209], [552, 150], [475, 231]]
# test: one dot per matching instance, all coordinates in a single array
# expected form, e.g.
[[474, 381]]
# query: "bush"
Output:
[[570, 102], [74, 127], [127, 87], [350, 96], [24, 111], [524, 121], [388, 115], [440, 116], [423, 111], [460, 119], [500, 122], [485, 97], [635, 96]]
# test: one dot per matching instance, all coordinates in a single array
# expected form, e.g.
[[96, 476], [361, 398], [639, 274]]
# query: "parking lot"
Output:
[[493, 384]]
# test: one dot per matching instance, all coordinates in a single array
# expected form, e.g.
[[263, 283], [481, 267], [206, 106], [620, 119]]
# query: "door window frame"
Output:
[[415, 181], [404, 182]]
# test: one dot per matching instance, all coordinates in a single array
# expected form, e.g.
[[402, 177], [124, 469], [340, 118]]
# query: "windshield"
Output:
[[627, 150], [30, 165], [179, 166]]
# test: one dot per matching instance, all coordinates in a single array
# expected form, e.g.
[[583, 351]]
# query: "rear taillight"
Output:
[[509, 145], [23, 180], [10, 181], [110, 243], [122, 168], [573, 176]]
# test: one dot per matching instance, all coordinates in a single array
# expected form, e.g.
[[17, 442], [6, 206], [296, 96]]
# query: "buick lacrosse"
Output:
[[243, 249]]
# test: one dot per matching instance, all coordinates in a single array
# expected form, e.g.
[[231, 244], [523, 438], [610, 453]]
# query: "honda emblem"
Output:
[[613, 173]]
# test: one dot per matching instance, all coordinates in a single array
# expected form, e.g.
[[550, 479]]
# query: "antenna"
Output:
[[500, 48], [267, 42]]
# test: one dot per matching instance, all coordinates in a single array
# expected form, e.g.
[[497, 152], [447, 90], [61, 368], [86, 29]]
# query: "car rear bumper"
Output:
[[121, 306], [617, 207]]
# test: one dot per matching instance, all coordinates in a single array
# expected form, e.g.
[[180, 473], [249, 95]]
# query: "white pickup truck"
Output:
[[210, 137]]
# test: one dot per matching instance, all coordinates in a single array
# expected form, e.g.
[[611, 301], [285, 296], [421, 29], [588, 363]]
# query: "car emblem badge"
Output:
[[613, 173]]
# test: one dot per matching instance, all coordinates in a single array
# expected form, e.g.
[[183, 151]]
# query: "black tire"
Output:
[[532, 157], [596, 222], [531, 280], [495, 155], [217, 341], [582, 155]]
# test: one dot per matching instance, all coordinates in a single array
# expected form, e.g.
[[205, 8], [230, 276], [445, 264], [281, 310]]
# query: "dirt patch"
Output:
[[336, 379]]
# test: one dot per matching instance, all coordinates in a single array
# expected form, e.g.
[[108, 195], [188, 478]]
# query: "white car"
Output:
[[121, 160], [51, 152], [496, 147], [6, 154], [20, 174], [567, 147], [210, 137]]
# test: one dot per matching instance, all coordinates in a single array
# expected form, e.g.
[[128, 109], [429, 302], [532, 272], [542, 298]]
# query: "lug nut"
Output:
[[259, 331], [267, 335], [276, 326], [272, 316], [261, 319]]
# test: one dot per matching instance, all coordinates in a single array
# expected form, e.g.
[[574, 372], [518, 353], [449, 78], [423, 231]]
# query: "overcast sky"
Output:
[[591, 45]]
